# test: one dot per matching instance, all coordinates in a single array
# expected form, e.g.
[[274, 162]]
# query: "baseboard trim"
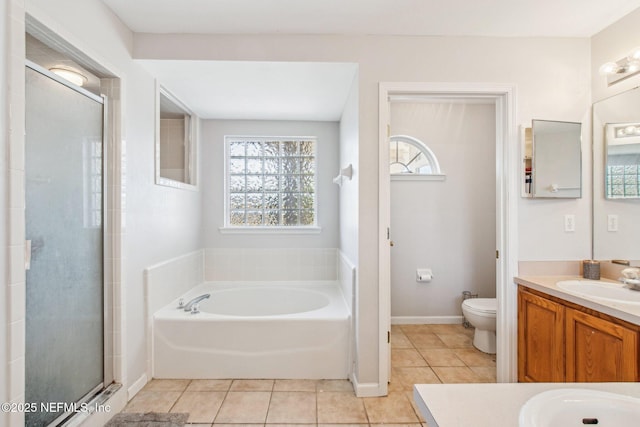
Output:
[[137, 386], [426, 320], [366, 389]]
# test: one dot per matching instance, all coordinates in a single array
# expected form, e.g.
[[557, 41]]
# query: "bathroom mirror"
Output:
[[556, 160], [616, 161], [175, 142], [622, 164]]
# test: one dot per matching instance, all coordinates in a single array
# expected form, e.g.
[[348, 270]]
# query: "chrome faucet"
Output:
[[631, 278], [190, 304]]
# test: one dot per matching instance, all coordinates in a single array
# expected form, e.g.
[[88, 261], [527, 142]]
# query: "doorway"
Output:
[[442, 224], [506, 189], [65, 293]]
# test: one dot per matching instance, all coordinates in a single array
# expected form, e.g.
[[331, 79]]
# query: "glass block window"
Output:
[[623, 180], [271, 182]]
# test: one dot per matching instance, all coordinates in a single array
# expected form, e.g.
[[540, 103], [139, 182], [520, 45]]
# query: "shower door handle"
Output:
[[27, 254]]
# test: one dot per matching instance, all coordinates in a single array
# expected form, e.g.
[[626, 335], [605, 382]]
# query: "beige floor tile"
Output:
[[246, 407], [410, 376], [209, 385], [416, 329], [152, 401], [340, 407], [456, 375], [425, 340], [456, 340], [334, 385], [474, 357], [486, 374], [199, 425], [202, 406], [406, 357], [295, 385], [394, 425], [166, 385], [292, 407], [394, 408], [343, 425], [400, 340], [284, 425], [252, 385], [235, 425], [449, 329], [441, 357]]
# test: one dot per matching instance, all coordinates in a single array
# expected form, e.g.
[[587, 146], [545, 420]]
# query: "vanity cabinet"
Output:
[[559, 341], [541, 326], [599, 350]]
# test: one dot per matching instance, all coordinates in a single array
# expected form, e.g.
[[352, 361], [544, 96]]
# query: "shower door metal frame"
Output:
[[107, 309]]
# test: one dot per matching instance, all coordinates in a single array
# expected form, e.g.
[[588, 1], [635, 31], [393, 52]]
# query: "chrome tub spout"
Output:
[[196, 300]]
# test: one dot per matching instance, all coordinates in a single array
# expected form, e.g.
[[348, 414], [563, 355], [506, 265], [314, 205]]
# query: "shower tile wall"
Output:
[[248, 264]]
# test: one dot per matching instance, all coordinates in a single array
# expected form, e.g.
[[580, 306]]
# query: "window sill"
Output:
[[270, 230], [418, 177]]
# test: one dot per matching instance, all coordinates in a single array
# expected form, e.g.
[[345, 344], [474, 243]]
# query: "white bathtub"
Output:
[[255, 330]]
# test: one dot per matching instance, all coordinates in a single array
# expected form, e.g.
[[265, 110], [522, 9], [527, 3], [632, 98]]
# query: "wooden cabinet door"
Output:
[[540, 339], [599, 350]]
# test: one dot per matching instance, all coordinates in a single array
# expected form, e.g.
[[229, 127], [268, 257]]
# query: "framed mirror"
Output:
[[176, 142], [556, 159], [616, 201]]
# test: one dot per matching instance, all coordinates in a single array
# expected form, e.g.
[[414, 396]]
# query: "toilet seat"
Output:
[[482, 305]]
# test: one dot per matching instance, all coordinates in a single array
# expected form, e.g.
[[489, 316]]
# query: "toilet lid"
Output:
[[485, 305]]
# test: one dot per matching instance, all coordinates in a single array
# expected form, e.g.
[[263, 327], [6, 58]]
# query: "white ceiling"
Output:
[[257, 90], [317, 91], [509, 18]]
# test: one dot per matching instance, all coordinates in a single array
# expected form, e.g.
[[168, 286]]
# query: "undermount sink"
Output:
[[606, 291], [579, 407]]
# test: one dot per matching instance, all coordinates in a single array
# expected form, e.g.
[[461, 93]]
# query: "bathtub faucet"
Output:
[[196, 300]]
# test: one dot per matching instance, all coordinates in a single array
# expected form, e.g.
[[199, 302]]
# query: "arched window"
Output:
[[408, 156]]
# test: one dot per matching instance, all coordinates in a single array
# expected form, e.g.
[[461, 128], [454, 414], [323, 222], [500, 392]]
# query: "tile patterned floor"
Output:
[[419, 354]]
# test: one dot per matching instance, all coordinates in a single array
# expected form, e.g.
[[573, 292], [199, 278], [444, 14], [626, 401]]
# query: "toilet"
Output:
[[481, 313]]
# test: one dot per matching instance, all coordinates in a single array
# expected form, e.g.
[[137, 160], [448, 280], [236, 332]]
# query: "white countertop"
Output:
[[547, 284], [491, 405]]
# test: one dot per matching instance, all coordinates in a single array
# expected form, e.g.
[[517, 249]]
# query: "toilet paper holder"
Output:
[[424, 275]]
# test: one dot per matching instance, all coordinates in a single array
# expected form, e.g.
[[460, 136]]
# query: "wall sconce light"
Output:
[[345, 173], [623, 68], [70, 75]]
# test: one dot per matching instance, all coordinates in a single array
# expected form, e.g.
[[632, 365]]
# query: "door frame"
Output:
[[507, 188]]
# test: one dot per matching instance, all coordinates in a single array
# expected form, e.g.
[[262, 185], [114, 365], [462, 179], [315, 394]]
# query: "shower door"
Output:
[[64, 358]]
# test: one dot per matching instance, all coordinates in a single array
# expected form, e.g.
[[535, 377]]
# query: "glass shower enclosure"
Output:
[[64, 352]]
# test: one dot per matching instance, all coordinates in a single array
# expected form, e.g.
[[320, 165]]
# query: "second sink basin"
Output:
[[580, 407], [606, 291]]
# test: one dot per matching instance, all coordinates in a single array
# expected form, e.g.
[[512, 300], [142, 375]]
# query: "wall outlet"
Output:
[[612, 222], [570, 223]]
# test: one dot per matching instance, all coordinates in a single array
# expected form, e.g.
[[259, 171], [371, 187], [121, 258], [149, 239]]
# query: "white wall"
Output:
[[159, 222], [213, 181], [448, 226], [4, 208], [349, 142], [552, 78]]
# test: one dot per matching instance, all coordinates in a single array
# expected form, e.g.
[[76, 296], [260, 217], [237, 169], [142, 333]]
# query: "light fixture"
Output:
[[627, 131], [623, 68], [70, 75]]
